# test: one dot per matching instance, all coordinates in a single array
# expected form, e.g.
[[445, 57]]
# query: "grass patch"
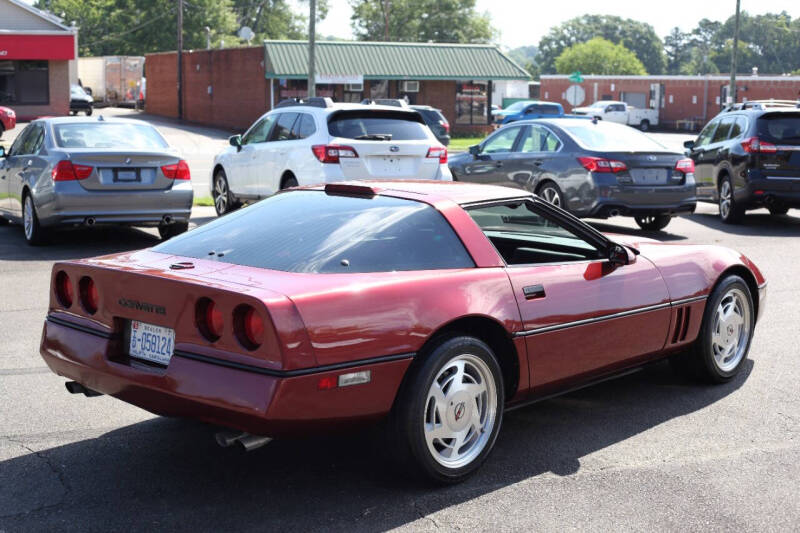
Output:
[[204, 201], [461, 144]]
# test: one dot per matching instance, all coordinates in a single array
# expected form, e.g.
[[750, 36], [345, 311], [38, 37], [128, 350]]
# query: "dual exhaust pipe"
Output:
[[247, 441], [76, 388], [90, 221]]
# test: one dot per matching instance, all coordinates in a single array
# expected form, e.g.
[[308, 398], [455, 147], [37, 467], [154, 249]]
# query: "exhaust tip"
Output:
[[227, 438], [613, 213], [247, 441], [90, 221], [167, 219], [73, 387]]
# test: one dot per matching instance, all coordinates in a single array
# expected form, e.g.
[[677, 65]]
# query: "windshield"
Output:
[[312, 231], [108, 135], [516, 107], [608, 137], [77, 90], [378, 126]]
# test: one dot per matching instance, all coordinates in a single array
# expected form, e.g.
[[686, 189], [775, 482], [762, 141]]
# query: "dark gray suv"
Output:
[[593, 169]]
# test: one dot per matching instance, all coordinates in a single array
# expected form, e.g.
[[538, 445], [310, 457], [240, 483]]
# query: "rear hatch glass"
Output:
[[782, 130], [377, 125]]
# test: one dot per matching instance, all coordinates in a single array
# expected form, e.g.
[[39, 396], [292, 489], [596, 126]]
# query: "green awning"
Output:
[[376, 61]]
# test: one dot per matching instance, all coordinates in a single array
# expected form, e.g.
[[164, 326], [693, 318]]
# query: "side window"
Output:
[[16, 147], [539, 139], [550, 110], [739, 127], [501, 142], [619, 107], [524, 236], [33, 140], [283, 127], [259, 132], [705, 136], [723, 130], [304, 126]]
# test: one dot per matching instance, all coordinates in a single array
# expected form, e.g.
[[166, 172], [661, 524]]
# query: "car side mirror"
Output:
[[475, 149], [236, 140], [688, 144], [620, 255]]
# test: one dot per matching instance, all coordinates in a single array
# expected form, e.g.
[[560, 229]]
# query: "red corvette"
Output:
[[437, 305]]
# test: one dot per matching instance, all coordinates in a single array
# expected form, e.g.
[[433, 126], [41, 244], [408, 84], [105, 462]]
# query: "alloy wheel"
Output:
[[550, 195], [460, 411], [725, 199], [730, 330], [27, 217], [221, 195]]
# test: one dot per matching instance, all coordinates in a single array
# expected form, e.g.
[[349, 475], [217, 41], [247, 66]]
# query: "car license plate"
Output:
[[127, 175], [649, 176], [151, 343]]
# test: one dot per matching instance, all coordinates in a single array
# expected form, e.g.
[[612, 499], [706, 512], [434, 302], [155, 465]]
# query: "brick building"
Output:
[[684, 102], [232, 87]]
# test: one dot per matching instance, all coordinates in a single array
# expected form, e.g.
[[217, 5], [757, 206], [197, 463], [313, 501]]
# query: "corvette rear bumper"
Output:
[[231, 396]]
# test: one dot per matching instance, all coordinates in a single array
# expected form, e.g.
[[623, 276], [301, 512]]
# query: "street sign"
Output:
[[575, 95], [576, 77]]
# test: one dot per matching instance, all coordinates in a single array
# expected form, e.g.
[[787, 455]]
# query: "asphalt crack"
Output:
[[62, 479]]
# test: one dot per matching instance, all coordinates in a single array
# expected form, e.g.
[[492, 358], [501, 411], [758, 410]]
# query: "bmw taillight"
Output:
[[248, 327], [439, 152], [445, 125], [177, 171], [754, 145], [600, 164], [67, 171], [63, 289], [685, 165], [209, 319], [332, 153], [90, 297]]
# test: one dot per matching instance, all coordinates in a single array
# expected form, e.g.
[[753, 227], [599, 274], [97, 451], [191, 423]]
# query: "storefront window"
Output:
[[299, 89], [24, 82], [378, 89], [472, 102]]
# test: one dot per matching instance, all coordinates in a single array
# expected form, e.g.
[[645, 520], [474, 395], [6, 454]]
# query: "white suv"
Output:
[[317, 141]]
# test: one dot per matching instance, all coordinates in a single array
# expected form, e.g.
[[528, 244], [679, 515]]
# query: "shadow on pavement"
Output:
[[758, 223], [168, 474], [73, 243], [664, 235]]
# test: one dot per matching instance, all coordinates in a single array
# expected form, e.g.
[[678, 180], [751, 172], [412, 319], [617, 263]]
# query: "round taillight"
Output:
[[209, 319], [90, 298], [248, 326], [63, 289]]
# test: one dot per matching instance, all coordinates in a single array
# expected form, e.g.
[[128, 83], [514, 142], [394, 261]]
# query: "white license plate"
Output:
[[126, 175], [649, 176], [151, 343]]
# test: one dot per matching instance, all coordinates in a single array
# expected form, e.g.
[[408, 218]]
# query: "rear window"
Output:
[[783, 127], [377, 125], [607, 137], [108, 135], [547, 109], [311, 231]]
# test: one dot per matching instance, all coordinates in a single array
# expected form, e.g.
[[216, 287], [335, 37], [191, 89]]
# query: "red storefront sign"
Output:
[[37, 46]]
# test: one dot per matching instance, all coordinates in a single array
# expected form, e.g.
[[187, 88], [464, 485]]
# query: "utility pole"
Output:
[[312, 22], [732, 89], [180, 59]]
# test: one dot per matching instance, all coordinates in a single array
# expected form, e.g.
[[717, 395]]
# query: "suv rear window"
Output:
[[784, 127], [377, 125], [311, 231]]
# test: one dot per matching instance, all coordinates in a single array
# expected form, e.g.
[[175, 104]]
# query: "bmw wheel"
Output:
[[729, 210], [449, 412], [34, 233], [223, 200], [549, 192], [653, 222]]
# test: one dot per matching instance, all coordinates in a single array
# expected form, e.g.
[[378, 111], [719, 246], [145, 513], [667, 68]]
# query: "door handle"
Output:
[[499, 164], [532, 292], [538, 162], [29, 162]]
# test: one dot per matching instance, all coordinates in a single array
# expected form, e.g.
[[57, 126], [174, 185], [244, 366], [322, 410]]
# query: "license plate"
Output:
[[127, 175], [151, 343], [649, 176]]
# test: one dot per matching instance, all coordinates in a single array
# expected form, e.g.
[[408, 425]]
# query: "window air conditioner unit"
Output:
[[409, 86], [353, 87]]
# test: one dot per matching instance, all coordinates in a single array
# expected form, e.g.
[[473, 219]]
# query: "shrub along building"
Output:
[[232, 87]]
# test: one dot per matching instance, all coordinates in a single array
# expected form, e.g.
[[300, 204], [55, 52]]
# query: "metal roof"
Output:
[[378, 60]]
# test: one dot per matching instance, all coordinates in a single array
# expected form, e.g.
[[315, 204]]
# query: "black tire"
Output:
[[3, 221], [549, 192], [653, 222], [778, 210], [413, 406], [644, 125], [733, 213], [699, 361], [89, 112], [221, 193], [35, 234], [167, 231], [2, 130], [288, 181]]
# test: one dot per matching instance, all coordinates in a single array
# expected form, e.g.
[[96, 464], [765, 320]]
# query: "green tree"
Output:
[[599, 56], [636, 36], [773, 42], [443, 21], [678, 49], [525, 56], [275, 19]]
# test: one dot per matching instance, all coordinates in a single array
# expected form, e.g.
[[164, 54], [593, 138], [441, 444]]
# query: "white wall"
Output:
[[508, 89]]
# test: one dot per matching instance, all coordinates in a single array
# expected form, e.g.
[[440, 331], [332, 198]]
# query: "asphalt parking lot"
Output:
[[649, 451]]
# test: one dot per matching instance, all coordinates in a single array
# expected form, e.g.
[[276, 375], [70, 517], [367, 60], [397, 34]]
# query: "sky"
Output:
[[524, 22]]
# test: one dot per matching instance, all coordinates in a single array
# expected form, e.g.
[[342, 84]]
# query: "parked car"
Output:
[[80, 100], [436, 121], [8, 119], [749, 158], [433, 304], [592, 169], [70, 171], [530, 109], [620, 112], [317, 141]]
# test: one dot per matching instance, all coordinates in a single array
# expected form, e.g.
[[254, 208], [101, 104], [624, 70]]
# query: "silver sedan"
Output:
[[71, 171]]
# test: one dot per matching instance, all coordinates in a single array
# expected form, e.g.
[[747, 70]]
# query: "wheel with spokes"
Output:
[[449, 412], [729, 209], [725, 334], [653, 222], [221, 193], [550, 193], [34, 233]]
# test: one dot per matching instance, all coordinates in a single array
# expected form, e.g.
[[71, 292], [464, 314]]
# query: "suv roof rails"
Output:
[[761, 105], [312, 102], [394, 102]]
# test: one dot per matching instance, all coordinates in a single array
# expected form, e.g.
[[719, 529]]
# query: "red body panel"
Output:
[[9, 120], [594, 319]]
